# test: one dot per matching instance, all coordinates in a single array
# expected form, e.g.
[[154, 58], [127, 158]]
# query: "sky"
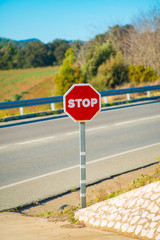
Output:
[[48, 20]]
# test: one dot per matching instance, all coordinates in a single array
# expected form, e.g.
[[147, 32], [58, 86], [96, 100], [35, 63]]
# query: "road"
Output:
[[39, 158]]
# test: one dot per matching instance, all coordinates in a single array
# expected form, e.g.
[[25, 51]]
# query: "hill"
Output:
[[31, 53], [20, 44]]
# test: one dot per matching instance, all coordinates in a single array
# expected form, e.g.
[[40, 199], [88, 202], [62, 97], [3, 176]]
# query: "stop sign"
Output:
[[82, 102]]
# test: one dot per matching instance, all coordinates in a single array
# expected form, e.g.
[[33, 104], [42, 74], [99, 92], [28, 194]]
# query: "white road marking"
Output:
[[72, 133], [137, 120], [96, 128], [2, 147], [123, 153], [38, 177], [29, 142], [77, 132], [37, 140], [77, 166], [88, 130]]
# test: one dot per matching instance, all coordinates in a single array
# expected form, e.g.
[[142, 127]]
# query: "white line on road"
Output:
[[72, 133], [29, 142], [96, 128], [88, 130], [123, 153], [77, 166], [77, 132], [2, 147], [38, 177], [136, 120], [37, 140]]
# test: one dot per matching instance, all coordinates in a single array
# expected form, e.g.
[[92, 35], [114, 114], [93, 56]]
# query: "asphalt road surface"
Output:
[[39, 158]]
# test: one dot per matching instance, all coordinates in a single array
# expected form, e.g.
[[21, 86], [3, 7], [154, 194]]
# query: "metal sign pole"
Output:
[[82, 165]]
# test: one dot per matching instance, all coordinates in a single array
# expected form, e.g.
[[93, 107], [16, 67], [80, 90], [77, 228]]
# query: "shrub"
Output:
[[97, 55], [112, 73], [139, 74]]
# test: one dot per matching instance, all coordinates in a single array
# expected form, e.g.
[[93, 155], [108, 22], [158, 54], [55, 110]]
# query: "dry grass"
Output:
[[27, 84], [38, 83], [122, 97], [100, 194]]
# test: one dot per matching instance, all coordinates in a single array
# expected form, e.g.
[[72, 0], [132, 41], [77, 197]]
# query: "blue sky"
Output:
[[48, 20]]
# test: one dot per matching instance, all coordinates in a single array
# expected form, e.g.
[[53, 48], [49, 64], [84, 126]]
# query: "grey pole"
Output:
[[82, 165]]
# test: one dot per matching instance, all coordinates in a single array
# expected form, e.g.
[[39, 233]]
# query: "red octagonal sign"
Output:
[[82, 102]]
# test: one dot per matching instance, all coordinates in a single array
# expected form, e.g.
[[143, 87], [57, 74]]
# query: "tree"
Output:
[[81, 53], [59, 48], [34, 55], [21, 58], [77, 46], [69, 74], [97, 55], [112, 73], [142, 41], [117, 34], [101, 38], [8, 58]]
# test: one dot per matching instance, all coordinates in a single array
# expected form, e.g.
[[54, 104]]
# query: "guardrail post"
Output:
[[148, 94], [105, 100], [53, 106], [21, 111], [128, 97]]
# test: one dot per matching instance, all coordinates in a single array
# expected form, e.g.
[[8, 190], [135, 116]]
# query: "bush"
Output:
[[111, 74], [139, 74], [97, 55]]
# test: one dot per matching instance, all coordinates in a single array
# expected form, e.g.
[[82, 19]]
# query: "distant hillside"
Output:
[[20, 44]]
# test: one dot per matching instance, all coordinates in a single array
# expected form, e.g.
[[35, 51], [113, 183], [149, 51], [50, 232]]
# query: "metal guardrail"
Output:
[[30, 102], [128, 91], [52, 100]]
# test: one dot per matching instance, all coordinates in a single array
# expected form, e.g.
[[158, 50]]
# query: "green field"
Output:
[[26, 84]]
